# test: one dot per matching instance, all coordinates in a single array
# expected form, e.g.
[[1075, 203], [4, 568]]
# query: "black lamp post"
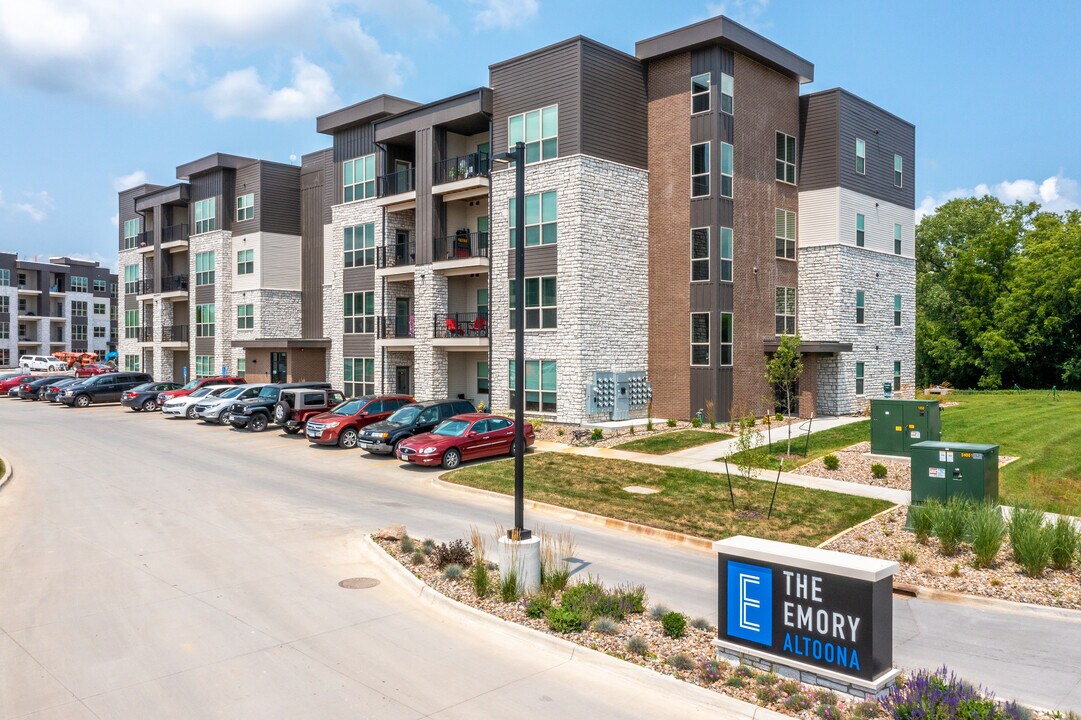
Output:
[[517, 156]]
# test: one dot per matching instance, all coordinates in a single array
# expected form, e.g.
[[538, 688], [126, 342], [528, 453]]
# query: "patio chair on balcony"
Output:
[[453, 329], [480, 326]]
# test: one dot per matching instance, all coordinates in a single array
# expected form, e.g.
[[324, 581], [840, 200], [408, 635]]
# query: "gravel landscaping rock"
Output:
[[550, 432], [856, 468]]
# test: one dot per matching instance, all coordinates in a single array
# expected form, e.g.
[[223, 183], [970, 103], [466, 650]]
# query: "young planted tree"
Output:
[[783, 371]]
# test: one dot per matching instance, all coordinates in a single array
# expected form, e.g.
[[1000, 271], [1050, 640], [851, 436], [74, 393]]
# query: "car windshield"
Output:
[[270, 392], [200, 392], [452, 428], [349, 407], [405, 416], [233, 391], [192, 385]]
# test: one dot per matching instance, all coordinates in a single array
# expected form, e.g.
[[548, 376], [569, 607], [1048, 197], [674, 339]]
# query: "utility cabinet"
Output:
[[943, 470], [898, 424]]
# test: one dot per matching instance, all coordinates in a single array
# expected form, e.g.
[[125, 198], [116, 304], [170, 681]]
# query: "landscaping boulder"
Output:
[[391, 532]]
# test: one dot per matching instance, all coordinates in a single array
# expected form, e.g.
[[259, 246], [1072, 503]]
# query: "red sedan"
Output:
[[86, 371], [462, 437], [13, 380]]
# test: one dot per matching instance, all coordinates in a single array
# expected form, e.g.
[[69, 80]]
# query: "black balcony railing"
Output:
[[174, 283], [396, 182], [145, 239], [462, 167], [460, 246], [174, 333], [146, 286], [174, 233], [396, 255], [461, 325], [397, 327], [146, 334]]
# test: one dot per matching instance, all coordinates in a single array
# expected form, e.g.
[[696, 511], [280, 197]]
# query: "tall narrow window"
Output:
[[359, 376], [131, 233], [861, 229], [700, 339], [727, 94], [785, 233], [541, 212], [359, 311], [204, 366], [245, 207], [726, 254], [700, 170], [726, 338], [131, 324], [785, 312], [699, 254], [540, 303], [204, 268], [861, 157], [859, 307], [700, 93], [898, 171], [786, 158], [726, 170], [897, 311], [131, 363], [204, 320], [358, 178], [482, 378], [245, 317], [897, 238], [359, 243], [206, 215], [859, 378], [539, 130], [896, 375], [131, 279], [540, 385]]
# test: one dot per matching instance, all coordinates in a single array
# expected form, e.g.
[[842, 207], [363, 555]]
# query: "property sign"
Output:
[[806, 607]]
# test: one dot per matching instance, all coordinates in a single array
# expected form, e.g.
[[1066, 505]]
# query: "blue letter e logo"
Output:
[[750, 602]]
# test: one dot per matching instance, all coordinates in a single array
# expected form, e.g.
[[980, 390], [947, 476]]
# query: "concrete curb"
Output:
[[8, 472], [669, 537], [949, 596], [458, 612]]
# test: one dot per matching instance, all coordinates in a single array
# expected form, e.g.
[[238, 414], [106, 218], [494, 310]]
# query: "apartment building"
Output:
[[64, 305], [686, 207]]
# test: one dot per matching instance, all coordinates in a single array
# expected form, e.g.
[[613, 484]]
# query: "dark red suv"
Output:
[[87, 371], [341, 425]]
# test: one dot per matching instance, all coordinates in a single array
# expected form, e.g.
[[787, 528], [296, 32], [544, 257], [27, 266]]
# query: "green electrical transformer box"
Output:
[[897, 424], [943, 470]]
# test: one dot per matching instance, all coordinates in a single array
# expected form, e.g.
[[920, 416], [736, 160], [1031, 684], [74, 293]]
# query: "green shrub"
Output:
[[826, 697], [831, 462], [951, 521], [560, 432], [696, 422], [597, 434], [923, 520], [481, 577], [1033, 542], [735, 681], [453, 572], [789, 687], [562, 620], [768, 679], [637, 645], [988, 530], [657, 612], [536, 422], [681, 661], [538, 605], [592, 600], [878, 470], [778, 416], [1023, 520], [909, 556], [1067, 542], [604, 626], [428, 546], [509, 587], [674, 624], [407, 545], [457, 553], [744, 670], [865, 710], [826, 711], [701, 623], [671, 423], [710, 671], [418, 557], [633, 598], [797, 702]]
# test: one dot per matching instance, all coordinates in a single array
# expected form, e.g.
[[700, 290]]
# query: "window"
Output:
[[22, 306], [360, 312], [482, 378], [786, 311], [539, 130], [700, 170], [784, 222], [897, 311], [131, 324], [245, 317], [861, 157], [898, 171], [78, 308], [112, 289], [245, 207], [5, 358], [360, 245], [99, 331], [859, 307], [204, 320], [206, 215], [859, 378], [204, 268], [131, 279], [241, 366], [359, 377], [786, 158], [700, 339], [99, 308], [131, 363], [540, 303], [726, 170], [482, 302], [726, 93], [699, 254], [5, 277], [358, 178], [896, 375], [79, 284], [245, 262], [78, 332], [5, 304], [897, 238], [861, 226], [700, 93], [204, 366], [131, 233], [540, 385], [726, 338], [726, 254], [541, 210], [5, 331], [99, 286]]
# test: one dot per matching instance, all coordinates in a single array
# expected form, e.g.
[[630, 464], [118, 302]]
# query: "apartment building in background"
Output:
[[63, 305], [686, 207]]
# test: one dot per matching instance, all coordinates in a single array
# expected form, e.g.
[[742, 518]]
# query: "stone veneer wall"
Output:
[[354, 213], [602, 276], [11, 343], [221, 242], [124, 344]]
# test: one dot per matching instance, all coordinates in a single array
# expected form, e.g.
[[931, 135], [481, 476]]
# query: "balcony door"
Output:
[[401, 175], [278, 368], [402, 324]]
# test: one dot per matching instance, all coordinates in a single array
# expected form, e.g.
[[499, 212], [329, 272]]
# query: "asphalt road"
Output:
[[192, 569]]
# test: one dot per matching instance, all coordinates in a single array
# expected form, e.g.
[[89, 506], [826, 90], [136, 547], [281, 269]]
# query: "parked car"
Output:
[[30, 389], [42, 362], [144, 397], [195, 385], [462, 437], [341, 426], [255, 413], [409, 420], [296, 405], [53, 389], [11, 381], [106, 388], [185, 406], [215, 409], [85, 371]]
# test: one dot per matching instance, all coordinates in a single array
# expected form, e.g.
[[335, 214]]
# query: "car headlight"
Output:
[[426, 451], [331, 424], [384, 435]]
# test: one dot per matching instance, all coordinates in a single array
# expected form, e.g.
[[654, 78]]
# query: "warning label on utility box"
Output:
[[936, 472]]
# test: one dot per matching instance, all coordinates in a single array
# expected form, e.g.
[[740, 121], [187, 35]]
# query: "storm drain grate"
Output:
[[358, 583]]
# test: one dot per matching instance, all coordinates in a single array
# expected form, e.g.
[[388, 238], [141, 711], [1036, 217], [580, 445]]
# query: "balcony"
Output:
[[174, 286], [25, 289], [397, 330], [397, 190], [174, 335], [461, 177], [397, 261], [145, 241], [461, 330], [144, 334], [146, 287], [463, 252], [174, 236]]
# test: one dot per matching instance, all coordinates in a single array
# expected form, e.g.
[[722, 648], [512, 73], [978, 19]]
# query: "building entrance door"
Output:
[[402, 379], [278, 370]]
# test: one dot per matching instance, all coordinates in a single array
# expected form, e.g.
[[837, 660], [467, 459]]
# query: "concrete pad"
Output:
[[215, 565], [70, 711], [25, 686]]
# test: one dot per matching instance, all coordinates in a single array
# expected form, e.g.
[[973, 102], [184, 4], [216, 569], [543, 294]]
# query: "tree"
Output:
[[783, 371]]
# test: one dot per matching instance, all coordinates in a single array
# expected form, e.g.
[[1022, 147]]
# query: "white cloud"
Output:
[[745, 12], [131, 180], [115, 219], [424, 17], [367, 63], [504, 14], [37, 205], [1056, 194], [242, 93]]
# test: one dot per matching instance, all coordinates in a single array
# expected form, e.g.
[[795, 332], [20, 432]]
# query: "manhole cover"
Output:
[[637, 490], [361, 583]]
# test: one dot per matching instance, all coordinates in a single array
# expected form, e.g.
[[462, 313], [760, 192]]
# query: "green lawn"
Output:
[[805, 449], [689, 501], [669, 442]]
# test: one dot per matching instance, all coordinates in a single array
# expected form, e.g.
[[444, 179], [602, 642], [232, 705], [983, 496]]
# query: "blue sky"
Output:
[[96, 94]]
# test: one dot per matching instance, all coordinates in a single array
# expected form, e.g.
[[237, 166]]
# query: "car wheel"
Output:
[[281, 412], [348, 438], [292, 430], [83, 401], [452, 459], [221, 417], [190, 412], [257, 423], [41, 394], [150, 405]]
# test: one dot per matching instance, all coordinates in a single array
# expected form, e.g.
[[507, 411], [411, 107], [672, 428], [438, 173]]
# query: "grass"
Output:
[[689, 501], [804, 451], [669, 442]]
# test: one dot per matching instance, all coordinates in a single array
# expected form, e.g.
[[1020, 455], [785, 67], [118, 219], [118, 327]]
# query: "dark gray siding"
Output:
[[613, 106], [425, 221], [219, 184], [540, 260], [359, 345], [280, 201], [549, 77], [312, 205], [348, 144], [711, 384], [357, 279], [248, 180], [886, 135], [819, 161]]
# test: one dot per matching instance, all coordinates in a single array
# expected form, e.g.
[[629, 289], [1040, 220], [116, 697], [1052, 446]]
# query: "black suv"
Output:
[[409, 420], [107, 388], [255, 413]]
